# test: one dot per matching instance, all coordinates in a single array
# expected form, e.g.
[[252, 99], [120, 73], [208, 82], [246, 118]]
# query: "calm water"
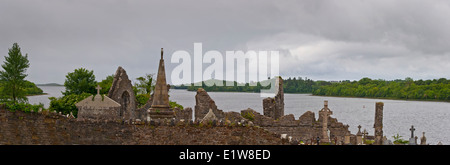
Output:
[[430, 117]]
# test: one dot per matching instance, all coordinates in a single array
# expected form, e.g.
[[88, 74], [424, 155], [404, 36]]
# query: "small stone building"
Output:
[[98, 108]]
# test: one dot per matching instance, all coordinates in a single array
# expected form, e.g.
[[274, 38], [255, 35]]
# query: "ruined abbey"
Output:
[[115, 119]]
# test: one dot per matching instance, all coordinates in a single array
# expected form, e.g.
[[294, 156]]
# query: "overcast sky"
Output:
[[318, 39]]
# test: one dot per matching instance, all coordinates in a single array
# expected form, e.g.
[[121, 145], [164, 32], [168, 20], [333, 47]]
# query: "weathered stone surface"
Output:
[[183, 114], [307, 119], [98, 108], [210, 116], [325, 113], [203, 103], [121, 91], [160, 106], [274, 107], [51, 129], [378, 125]]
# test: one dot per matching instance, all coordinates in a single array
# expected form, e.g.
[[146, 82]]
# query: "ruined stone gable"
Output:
[[122, 92], [274, 107]]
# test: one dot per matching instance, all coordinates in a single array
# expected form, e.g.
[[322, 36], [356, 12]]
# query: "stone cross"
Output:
[[412, 129], [365, 133], [98, 89]]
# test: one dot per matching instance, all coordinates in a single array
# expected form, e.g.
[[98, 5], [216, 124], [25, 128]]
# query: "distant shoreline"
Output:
[[38, 94], [49, 84], [384, 98]]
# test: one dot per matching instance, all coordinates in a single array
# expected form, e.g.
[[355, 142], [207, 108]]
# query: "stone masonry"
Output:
[[121, 91], [160, 106], [378, 125], [49, 128], [274, 107], [98, 108]]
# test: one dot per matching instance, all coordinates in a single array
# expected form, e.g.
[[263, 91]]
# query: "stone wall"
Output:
[[52, 129], [274, 107], [303, 129]]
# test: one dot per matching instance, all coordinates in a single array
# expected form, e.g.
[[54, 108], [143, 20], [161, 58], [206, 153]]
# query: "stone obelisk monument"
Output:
[[160, 106]]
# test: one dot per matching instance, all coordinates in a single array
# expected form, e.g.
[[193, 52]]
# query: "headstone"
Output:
[[347, 138], [160, 107], [412, 139], [325, 112], [359, 136], [423, 139]]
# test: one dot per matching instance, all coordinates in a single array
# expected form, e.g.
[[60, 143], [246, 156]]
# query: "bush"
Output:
[[174, 104], [66, 104], [25, 107], [250, 116], [142, 99]]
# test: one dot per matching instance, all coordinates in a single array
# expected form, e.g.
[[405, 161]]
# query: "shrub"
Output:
[[66, 104], [25, 107]]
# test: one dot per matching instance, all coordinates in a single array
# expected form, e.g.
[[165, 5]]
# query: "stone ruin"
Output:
[[274, 107], [121, 91], [120, 104], [306, 128], [98, 108]]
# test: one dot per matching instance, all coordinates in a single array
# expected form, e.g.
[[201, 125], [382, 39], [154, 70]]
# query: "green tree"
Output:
[[13, 76], [79, 81], [106, 84], [145, 85]]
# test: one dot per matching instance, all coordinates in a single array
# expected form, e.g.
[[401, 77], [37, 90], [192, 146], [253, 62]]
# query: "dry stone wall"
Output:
[[55, 129]]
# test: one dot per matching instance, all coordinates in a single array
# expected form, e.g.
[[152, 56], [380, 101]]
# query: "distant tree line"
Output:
[[436, 89]]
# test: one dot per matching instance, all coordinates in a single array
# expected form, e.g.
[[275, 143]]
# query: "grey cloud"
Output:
[[346, 39]]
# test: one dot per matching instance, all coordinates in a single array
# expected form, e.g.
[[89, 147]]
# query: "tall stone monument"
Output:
[[325, 112], [160, 106], [378, 123]]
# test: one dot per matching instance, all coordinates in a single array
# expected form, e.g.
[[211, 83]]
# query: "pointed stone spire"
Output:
[[160, 106]]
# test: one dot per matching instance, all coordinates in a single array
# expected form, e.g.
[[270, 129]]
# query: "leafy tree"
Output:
[[66, 104], [145, 85], [13, 76], [80, 81], [106, 84]]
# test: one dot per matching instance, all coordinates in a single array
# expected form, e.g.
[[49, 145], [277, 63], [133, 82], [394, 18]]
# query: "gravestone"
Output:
[[423, 139], [411, 139], [359, 136], [160, 106], [325, 112]]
